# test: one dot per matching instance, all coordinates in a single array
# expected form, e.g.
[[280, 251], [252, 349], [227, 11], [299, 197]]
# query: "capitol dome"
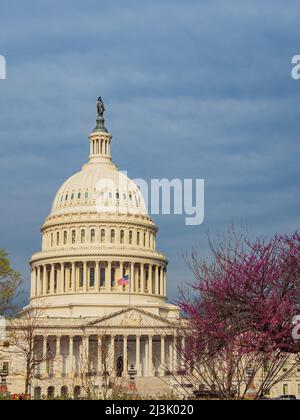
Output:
[[98, 232], [99, 188]]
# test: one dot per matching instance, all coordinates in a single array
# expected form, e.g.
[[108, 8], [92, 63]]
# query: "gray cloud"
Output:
[[193, 90]]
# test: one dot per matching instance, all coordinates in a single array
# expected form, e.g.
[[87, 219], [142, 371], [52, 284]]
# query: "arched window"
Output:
[[82, 236], [65, 237], [130, 237], [50, 392], [122, 236], [81, 276], [102, 235], [77, 392], [57, 238], [112, 236], [102, 277], [93, 235], [64, 391], [73, 236], [92, 277], [79, 195], [138, 238]]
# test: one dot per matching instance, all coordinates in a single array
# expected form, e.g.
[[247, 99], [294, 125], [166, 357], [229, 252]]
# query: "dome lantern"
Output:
[[100, 138]]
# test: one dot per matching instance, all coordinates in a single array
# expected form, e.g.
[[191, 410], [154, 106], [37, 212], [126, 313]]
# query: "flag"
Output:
[[123, 281]]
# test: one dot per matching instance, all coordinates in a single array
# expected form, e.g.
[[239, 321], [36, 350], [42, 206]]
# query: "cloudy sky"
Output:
[[193, 89]]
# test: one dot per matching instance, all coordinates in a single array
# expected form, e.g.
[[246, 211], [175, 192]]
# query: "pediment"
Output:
[[132, 317]]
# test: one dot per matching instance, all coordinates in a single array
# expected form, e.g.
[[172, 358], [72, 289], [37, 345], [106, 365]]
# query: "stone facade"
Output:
[[99, 231]]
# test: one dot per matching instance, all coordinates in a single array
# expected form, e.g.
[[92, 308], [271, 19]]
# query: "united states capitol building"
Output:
[[98, 232]]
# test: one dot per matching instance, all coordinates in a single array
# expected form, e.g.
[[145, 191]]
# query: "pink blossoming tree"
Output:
[[240, 312]]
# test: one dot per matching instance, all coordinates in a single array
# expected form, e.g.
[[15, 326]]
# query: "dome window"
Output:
[[65, 237], [82, 235], [72, 196], [86, 195], [81, 277], [73, 236], [138, 238], [102, 277], [122, 236], [93, 234], [79, 195], [66, 197], [102, 235], [130, 237], [112, 236], [113, 276], [92, 277], [118, 196]]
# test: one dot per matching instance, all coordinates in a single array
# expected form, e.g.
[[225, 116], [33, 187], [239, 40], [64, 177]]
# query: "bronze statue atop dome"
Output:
[[100, 107]]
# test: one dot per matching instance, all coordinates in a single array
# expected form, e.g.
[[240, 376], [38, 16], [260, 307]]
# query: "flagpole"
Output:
[[129, 285]]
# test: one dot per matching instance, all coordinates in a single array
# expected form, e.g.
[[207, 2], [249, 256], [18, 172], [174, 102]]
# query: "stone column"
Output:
[[161, 292], [146, 370], [162, 354], [121, 274], [100, 354], [45, 280], [156, 280], [174, 354], [52, 279], [32, 282], [97, 276], [73, 276], [85, 277], [71, 356], [125, 356], [142, 278], [108, 277], [112, 354], [138, 354], [132, 278], [150, 279], [182, 358], [85, 359], [39, 292], [61, 279], [45, 354], [57, 357], [165, 282]]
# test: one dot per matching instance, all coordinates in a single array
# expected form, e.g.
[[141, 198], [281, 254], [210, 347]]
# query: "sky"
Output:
[[193, 89]]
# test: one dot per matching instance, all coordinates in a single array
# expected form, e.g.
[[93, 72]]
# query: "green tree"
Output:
[[10, 281]]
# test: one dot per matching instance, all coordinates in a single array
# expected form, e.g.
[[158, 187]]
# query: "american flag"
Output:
[[123, 281]]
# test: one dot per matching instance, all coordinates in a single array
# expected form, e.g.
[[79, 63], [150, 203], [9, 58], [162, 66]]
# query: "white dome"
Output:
[[99, 188]]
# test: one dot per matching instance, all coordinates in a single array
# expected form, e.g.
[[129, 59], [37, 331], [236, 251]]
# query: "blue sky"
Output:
[[193, 89]]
